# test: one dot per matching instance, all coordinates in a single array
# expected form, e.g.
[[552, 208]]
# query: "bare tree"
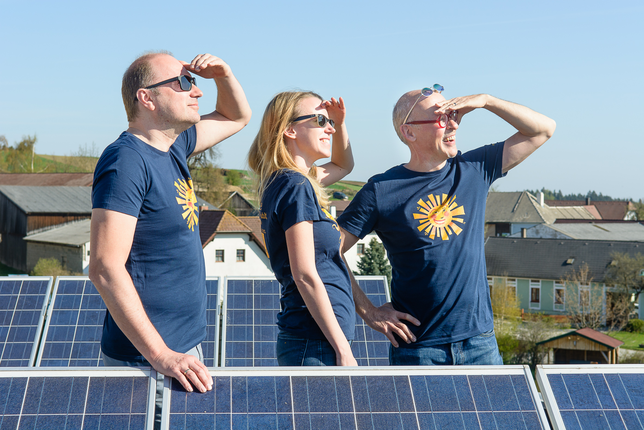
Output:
[[584, 304], [535, 329]]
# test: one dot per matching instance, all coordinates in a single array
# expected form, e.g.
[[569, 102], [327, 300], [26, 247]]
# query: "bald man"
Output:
[[430, 215]]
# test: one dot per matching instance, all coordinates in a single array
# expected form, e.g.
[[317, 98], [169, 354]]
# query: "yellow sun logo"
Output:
[[437, 216], [188, 200]]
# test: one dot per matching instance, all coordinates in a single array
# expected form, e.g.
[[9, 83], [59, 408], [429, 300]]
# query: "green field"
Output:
[[631, 340]]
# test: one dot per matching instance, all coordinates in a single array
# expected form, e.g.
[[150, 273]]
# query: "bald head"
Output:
[[405, 103]]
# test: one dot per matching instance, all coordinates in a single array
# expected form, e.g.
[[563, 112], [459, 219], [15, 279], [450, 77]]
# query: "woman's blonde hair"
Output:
[[268, 153]]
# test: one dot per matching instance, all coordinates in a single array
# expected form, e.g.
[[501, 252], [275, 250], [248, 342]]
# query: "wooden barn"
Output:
[[583, 346], [27, 209]]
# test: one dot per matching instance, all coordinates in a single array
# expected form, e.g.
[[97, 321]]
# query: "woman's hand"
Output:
[[337, 110]]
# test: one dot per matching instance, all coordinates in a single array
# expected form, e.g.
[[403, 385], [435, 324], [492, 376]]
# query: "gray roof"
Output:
[[73, 233], [547, 258], [631, 231], [524, 208], [65, 200]]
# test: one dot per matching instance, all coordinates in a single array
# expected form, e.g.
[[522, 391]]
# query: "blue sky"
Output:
[[579, 62]]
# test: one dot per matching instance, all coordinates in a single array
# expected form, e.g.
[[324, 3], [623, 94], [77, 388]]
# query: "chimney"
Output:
[[524, 232], [587, 201], [541, 197], [203, 208]]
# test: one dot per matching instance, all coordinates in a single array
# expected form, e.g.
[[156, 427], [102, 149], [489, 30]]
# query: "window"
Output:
[[511, 285], [360, 249], [560, 297], [490, 284], [535, 294], [219, 255], [241, 255]]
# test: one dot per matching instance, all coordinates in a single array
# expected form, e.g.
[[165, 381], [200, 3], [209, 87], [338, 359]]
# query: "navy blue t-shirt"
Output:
[[288, 200], [166, 261], [432, 226]]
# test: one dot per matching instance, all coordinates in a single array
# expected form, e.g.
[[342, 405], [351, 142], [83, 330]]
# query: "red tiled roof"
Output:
[[598, 337], [614, 210]]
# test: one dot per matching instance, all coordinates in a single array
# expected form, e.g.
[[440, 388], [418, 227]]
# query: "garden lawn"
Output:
[[631, 340]]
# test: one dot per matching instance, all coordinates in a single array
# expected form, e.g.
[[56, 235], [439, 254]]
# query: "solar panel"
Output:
[[74, 326], [250, 323], [371, 348], [22, 306], [249, 329], [40, 398], [593, 396], [210, 346], [454, 397]]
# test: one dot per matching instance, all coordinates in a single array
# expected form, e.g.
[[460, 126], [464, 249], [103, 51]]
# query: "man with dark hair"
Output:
[[146, 257], [430, 215]]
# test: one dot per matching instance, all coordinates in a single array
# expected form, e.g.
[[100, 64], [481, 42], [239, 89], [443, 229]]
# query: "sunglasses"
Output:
[[185, 83], [321, 119], [441, 121], [425, 92]]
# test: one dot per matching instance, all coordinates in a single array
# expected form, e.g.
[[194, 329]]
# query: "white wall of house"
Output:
[[72, 258], [352, 256], [256, 262]]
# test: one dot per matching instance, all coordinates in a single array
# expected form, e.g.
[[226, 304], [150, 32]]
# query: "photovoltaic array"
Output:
[[72, 333], [249, 328], [492, 397], [211, 345], [59, 399], [593, 397], [22, 306]]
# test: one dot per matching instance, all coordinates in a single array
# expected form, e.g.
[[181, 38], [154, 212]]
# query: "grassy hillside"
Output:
[[49, 164]]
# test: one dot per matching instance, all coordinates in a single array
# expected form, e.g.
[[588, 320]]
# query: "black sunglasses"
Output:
[[321, 119], [185, 82]]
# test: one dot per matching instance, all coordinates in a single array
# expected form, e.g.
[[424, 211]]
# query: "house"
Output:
[[27, 209], [583, 346], [608, 210], [68, 243], [622, 231], [230, 247], [535, 268], [506, 213], [239, 205]]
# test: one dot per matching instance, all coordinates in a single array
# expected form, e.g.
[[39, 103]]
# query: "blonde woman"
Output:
[[303, 240]]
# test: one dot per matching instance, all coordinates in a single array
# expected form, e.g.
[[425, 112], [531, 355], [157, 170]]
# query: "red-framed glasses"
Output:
[[441, 121]]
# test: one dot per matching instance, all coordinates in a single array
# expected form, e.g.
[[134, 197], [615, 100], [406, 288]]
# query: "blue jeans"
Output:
[[295, 351], [481, 349]]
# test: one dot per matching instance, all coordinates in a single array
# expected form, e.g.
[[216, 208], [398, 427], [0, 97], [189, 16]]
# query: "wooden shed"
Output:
[[583, 346]]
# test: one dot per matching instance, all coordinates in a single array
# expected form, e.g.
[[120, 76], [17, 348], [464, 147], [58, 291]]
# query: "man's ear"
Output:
[[144, 99], [408, 132]]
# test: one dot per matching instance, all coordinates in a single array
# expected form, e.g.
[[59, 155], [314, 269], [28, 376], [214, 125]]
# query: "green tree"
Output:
[[626, 273], [20, 158], [536, 329], [639, 210], [374, 261], [233, 177]]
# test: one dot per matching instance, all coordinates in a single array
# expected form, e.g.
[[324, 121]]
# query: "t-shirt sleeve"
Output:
[[489, 161], [119, 181], [189, 138], [297, 202], [360, 217]]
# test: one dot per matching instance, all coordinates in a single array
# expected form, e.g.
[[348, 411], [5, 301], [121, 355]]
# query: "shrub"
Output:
[[49, 267], [635, 326]]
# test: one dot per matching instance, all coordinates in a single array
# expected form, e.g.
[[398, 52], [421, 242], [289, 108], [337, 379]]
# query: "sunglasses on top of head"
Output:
[[319, 118], [185, 82]]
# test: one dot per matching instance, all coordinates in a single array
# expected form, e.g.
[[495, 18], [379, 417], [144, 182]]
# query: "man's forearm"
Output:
[[231, 99], [124, 304], [525, 120]]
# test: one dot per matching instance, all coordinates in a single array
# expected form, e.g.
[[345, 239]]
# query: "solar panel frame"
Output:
[[210, 346], [30, 394], [29, 305], [359, 397], [249, 322], [73, 326], [607, 401]]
